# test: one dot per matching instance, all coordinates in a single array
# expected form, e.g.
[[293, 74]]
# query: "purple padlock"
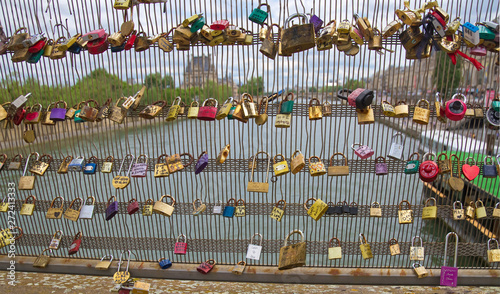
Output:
[[381, 167], [57, 113], [202, 162], [478, 50], [317, 23], [112, 208], [449, 274]]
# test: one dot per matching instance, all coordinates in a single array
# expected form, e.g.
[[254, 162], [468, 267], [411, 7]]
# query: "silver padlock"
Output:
[[33, 39], [18, 103], [77, 164], [217, 208], [396, 151], [253, 251]]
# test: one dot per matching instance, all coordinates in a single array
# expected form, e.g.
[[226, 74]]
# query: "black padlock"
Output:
[[489, 168], [331, 208], [359, 98], [338, 208], [353, 208], [345, 207], [493, 118]]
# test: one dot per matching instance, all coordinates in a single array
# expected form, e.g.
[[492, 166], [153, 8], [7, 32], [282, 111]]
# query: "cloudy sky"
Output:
[[239, 62]]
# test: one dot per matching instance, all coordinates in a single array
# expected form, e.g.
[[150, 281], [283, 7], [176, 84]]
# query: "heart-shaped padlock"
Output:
[[470, 171], [456, 183]]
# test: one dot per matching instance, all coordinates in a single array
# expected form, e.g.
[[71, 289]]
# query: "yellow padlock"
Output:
[[394, 247], [429, 212], [366, 251], [193, 110], [493, 254], [496, 210], [416, 252], [420, 270], [317, 210], [334, 252], [280, 168], [174, 109], [340, 170], [365, 116], [240, 208], [422, 115], [388, 109], [277, 212], [28, 208], [375, 209], [401, 109], [480, 209], [163, 208], [405, 216]]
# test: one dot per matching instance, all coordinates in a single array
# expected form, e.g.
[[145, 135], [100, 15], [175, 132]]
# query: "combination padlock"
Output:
[[455, 108], [428, 170]]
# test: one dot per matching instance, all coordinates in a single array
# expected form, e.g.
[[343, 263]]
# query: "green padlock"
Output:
[[495, 104], [258, 15], [198, 24], [412, 165], [287, 105], [76, 117], [231, 111], [485, 33], [35, 57]]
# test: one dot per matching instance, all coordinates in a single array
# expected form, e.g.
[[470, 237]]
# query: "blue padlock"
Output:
[[76, 164], [75, 48], [470, 33], [90, 166], [229, 209], [120, 48], [164, 263]]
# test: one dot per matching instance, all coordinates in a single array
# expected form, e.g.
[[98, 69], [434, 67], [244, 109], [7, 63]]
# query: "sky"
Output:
[[309, 68]]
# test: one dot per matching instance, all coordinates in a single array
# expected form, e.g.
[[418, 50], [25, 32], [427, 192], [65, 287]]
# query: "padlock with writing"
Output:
[[161, 168], [388, 109], [4, 206], [259, 187], [225, 109], [420, 270], [430, 211], [174, 109], [293, 255], [455, 182], [421, 115], [493, 254], [253, 251], [381, 167], [208, 110], [317, 209], [56, 240], [334, 252], [15, 162], [111, 208], [240, 208], [449, 274], [140, 167], [42, 260], [197, 210], [458, 213], [55, 212], [119, 181], [297, 38], [412, 165], [90, 166], [147, 209], [151, 111], [480, 209], [401, 109], [40, 166], [107, 165], [27, 182], [87, 209], [88, 112], [76, 164], [239, 268], [277, 213], [339, 170], [164, 208], [75, 246], [416, 252], [180, 245], [396, 151], [206, 267], [73, 213], [363, 151], [280, 167], [394, 247], [443, 163], [175, 163], [258, 15], [121, 277], [133, 206], [364, 246], [405, 216], [375, 209]]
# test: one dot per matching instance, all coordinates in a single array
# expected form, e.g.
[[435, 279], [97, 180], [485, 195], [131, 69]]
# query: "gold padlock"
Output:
[[28, 208], [147, 210], [223, 154], [411, 37], [365, 116], [174, 109], [458, 213], [317, 209], [496, 210], [443, 164], [317, 168], [239, 268], [334, 252], [478, 111], [391, 29], [175, 163], [107, 165], [420, 270], [40, 166], [57, 52], [163, 208], [116, 39], [298, 162], [405, 216], [225, 109], [341, 170], [364, 246], [104, 264], [416, 252], [388, 109], [429, 212], [315, 111], [116, 113], [470, 210], [401, 109], [344, 27], [394, 247], [15, 162], [141, 42], [480, 209], [421, 115], [297, 38], [21, 55], [259, 187], [375, 209], [262, 117], [151, 111], [193, 110], [407, 17], [240, 208], [293, 255], [249, 106], [493, 254], [16, 40], [277, 212], [364, 26], [71, 213], [42, 260], [375, 43], [327, 109], [55, 212], [269, 48], [280, 168], [63, 168], [197, 210], [264, 31], [27, 182]]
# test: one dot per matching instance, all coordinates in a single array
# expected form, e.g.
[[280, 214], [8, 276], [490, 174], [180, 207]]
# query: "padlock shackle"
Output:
[[376, 159], [461, 95], [446, 248], [375, 203], [120, 262], [16, 156], [234, 200], [89, 197], [429, 154], [259, 235], [53, 201], [145, 156], [284, 203], [414, 153], [28, 161], [341, 91], [55, 235], [181, 235], [479, 202], [238, 202], [160, 157], [393, 240], [109, 200], [429, 199], [191, 105], [78, 236], [423, 101], [295, 232], [177, 98], [107, 256], [191, 158], [492, 239], [68, 159], [194, 203], [30, 197], [282, 157], [263, 101], [362, 239], [211, 262], [441, 154], [488, 160], [307, 201], [149, 202], [413, 241], [302, 15], [211, 100], [4, 156], [92, 159], [400, 206], [331, 240], [339, 154], [268, 165], [454, 205], [123, 161], [168, 196], [398, 134], [293, 155]]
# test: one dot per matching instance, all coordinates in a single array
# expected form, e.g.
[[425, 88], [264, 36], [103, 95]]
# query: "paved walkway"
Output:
[[75, 284]]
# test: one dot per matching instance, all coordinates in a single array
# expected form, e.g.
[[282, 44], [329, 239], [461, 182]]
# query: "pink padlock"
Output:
[[455, 108], [220, 25], [381, 167], [356, 35], [362, 151], [180, 247], [478, 50], [206, 266]]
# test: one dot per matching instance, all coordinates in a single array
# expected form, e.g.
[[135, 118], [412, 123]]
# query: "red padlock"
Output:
[[456, 108], [206, 266], [428, 169], [133, 206], [37, 47], [33, 117], [98, 46], [220, 25], [76, 244], [19, 116], [180, 247], [207, 112], [362, 151], [131, 40]]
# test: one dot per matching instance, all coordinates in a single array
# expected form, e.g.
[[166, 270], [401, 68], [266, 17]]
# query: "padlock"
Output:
[[141, 42], [198, 24], [151, 111], [420, 270], [16, 41], [71, 213], [443, 164], [41, 166], [334, 252], [186, 22], [411, 37], [456, 109], [280, 168], [217, 208], [3, 110], [363, 151], [428, 169], [416, 252], [360, 98], [297, 38], [19, 116], [253, 251], [17, 106], [42, 260], [421, 115], [164, 263], [470, 110], [121, 277], [147, 209], [116, 113], [238, 112], [21, 55], [131, 40], [174, 109], [344, 205], [175, 163], [117, 39], [180, 247], [317, 209], [470, 210], [375, 43], [268, 47], [75, 246], [480, 209], [58, 113], [76, 117], [77, 164], [456, 183], [365, 116], [193, 110], [202, 163], [316, 168], [258, 15], [90, 166], [405, 216], [46, 116], [315, 111], [4, 206], [262, 112], [56, 240], [353, 208], [229, 209], [381, 167], [391, 29], [340, 170], [29, 134], [277, 213], [161, 168], [133, 206], [259, 187], [327, 109], [364, 246], [107, 165], [324, 40], [206, 267], [286, 106], [458, 213], [440, 111], [394, 247], [249, 107], [55, 212], [15, 164], [489, 170], [87, 210], [3, 160], [496, 210], [396, 151], [119, 181], [493, 116], [478, 111], [375, 209], [27, 182], [297, 162], [92, 35], [239, 268], [207, 112], [470, 33], [98, 46], [104, 264], [140, 169], [493, 254], [164, 208], [197, 210], [33, 116], [57, 52], [388, 109], [412, 165], [449, 275], [111, 208], [225, 109], [429, 212], [294, 255], [7, 236], [240, 208], [401, 109]]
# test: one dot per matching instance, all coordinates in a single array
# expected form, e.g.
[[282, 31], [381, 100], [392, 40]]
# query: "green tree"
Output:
[[254, 86], [446, 76], [153, 80], [167, 81], [354, 84], [313, 89]]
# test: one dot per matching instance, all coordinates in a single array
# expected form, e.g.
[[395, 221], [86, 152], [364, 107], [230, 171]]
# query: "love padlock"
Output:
[[396, 151], [449, 275], [363, 151], [359, 98], [206, 267], [381, 167], [111, 208], [133, 206], [412, 165], [164, 263], [140, 169], [428, 169], [489, 169], [253, 251], [180, 247], [77, 242], [90, 166], [455, 182], [455, 108]]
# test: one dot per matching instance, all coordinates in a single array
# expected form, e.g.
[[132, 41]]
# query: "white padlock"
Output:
[[396, 151], [253, 251]]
